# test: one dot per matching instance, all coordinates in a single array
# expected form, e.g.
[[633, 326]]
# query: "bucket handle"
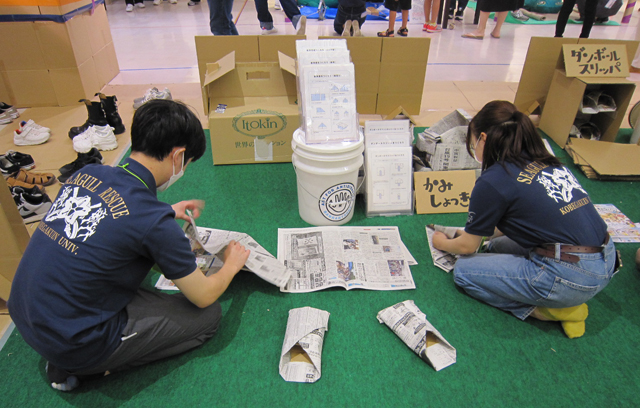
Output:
[[318, 198]]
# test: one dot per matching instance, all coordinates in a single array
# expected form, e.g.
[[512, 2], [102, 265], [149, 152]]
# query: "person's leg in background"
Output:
[[220, 18], [264, 17], [291, 10], [563, 16], [462, 4], [500, 18], [590, 8], [339, 20]]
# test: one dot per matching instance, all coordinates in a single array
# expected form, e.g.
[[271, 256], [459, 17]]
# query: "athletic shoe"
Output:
[[140, 5], [173, 1], [32, 207], [83, 159], [424, 27], [21, 160], [33, 191], [5, 118], [29, 137], [277, 5], [60, 379], [157, 2], [459, 15], [193, 3], [301, 27], [100, 137], [31, 124], [433, 28], [153, 93], [8, 112], [266, 31], [129, 7], [149, 91]]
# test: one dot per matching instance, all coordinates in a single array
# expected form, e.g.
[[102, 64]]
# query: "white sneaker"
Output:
[[173, 1], [29, 137], [32, 207], [100, 137], [301, 28], [267, 32], [33, 125], [140, 5], [153, 93], [277, 5], [129, 7], [157, 2]]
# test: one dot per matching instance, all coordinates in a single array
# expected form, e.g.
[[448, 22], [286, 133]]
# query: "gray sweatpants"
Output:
[[159, 325]]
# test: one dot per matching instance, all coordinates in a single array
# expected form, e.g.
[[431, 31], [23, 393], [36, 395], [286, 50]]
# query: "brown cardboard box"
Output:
[[606, 160], [51, 7], [261, 112], [75, 50], [390, 72]]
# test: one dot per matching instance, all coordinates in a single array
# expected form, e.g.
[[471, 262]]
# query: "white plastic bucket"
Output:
[[327, 177]]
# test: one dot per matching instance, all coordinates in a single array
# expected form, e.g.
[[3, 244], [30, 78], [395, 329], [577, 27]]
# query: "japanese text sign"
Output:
[[443, 191], [592, 60]]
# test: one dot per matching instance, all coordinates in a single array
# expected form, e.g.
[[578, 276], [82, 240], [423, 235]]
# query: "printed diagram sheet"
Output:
[[441, 259], [413, 328], [318, 258], [301, 356], [208, 244], [619, 226]]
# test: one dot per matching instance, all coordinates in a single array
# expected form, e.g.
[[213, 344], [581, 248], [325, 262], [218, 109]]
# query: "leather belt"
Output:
[[563, 252]]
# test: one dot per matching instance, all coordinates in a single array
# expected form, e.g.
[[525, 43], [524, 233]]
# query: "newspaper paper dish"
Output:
[[301, 356], [413, 328]]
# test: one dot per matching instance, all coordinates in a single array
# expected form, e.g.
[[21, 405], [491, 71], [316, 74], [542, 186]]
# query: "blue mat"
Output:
[[330, 13]]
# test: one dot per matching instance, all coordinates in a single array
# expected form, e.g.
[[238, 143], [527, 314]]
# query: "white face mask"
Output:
[[174, 177], [474, 152]]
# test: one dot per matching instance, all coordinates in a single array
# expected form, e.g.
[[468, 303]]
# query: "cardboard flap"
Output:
[[608, 158], [400, 111], [287, 63], [219, 68]]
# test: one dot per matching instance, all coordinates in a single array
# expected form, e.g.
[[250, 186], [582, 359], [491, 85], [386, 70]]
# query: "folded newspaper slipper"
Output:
[[589, 104], [412, 326], [301, 357], [606, 103], [589, 131]]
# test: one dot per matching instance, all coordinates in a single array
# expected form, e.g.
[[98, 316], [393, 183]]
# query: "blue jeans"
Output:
[[290, 8], [220, 18], [517, 280]]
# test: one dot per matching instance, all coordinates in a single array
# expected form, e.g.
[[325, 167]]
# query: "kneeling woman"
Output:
[[549, 250]]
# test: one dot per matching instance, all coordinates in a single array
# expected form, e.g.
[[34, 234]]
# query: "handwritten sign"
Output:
[[592, 60], [443, 191]]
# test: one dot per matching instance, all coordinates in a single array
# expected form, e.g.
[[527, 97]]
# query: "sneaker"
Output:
[[31, 124], [60, 379], [301, 27], [100, 137], [129, 7], [166, 94], [173, 1], [267, 31], [424, 27], [32, 207], [149, 91], [30, 137], [33, 191], [193, 3], [93, 157], [433, 28], [22, 160], [157, 2], [277, 5], [355, 25], [9, 110], [459, 15], [140, 5], [5, 118]]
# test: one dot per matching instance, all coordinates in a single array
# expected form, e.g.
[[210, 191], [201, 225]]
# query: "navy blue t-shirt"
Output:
[[535, 205], [87, 259]]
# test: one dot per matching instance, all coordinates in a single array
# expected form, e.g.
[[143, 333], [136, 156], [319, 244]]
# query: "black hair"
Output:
[[160, 125], [511, 137]]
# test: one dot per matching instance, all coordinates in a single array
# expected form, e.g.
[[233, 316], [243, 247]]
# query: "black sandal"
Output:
[[388, 33], [403, 32]]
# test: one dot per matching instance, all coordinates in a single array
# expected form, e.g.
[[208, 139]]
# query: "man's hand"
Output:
[[194, 206], [235, 256]]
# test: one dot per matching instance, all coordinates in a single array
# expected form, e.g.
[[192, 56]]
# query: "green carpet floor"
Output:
[[502, 361]]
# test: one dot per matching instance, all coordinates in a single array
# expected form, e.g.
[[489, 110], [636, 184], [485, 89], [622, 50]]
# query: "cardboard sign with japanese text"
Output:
[[591, 60], [443, 191]]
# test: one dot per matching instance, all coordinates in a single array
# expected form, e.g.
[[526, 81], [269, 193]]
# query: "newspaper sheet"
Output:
[[619, 226], [413, 328], [441, 259], [209, 243], [318, 258], [301, 356]]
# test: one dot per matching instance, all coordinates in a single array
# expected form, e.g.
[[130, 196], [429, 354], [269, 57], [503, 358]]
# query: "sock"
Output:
[[573, 329], [570, 314], [60, 379]]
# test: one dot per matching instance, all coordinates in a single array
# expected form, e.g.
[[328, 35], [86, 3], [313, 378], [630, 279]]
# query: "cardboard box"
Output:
[[606, 160], [260, 93], [79, 52], [42, 7], [13, 241], [543, 58], [261, 112], [390, 72], [563, 102]]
